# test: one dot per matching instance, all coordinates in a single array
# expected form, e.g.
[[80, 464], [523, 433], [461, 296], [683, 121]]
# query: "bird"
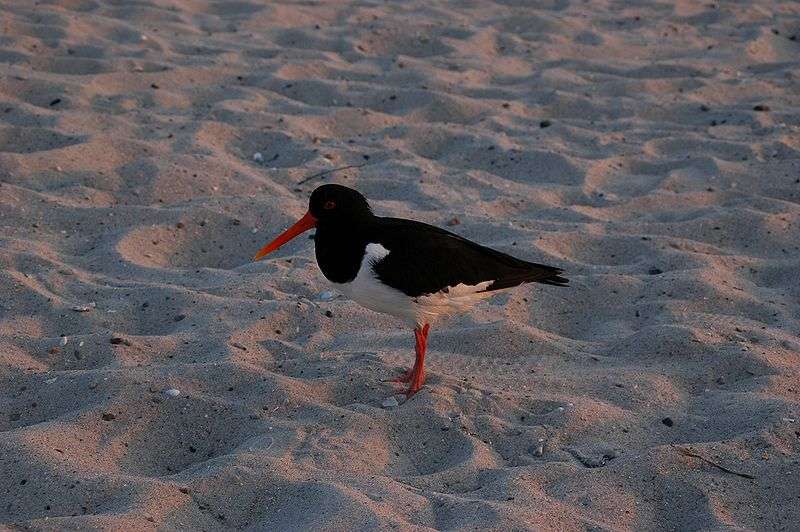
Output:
[[408, 269]]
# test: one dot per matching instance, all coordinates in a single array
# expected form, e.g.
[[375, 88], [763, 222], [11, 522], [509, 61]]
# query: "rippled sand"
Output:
[[652, 150]]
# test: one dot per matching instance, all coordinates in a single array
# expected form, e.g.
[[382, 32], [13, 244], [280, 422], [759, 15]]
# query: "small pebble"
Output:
[[120, 341], [668, 421], [390, 402], [539, 449], [257, 157], [453, 221], [327, 296], [545, 123], [654, 271], [328, 313], [108, 416], [761, 108], [172, 392], [64, 340], [84, 308]]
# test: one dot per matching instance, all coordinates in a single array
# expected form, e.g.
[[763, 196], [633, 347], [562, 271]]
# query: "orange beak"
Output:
[[302, 225]]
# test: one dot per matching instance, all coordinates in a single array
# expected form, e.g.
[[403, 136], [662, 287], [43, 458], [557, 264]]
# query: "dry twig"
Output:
[[325, 172], [687, 452]]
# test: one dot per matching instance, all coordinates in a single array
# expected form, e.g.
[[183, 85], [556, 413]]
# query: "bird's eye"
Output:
[[329, 205]]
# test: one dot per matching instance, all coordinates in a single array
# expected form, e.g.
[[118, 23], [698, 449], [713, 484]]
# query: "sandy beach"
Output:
[[153, 377]]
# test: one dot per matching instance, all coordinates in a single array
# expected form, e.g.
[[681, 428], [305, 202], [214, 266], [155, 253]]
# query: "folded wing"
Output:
[[424, 259]]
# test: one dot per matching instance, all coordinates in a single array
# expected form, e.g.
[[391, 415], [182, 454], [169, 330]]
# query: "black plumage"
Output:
[[423, 259]]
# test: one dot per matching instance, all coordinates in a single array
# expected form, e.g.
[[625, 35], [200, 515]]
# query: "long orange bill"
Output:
[[303, 224]]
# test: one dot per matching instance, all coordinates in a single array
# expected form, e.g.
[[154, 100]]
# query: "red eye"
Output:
[[329, 205]]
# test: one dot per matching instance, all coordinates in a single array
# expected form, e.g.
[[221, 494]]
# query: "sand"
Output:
[[153, 377]]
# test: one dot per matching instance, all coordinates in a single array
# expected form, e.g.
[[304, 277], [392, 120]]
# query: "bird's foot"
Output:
[[414, 378], [416, 382]]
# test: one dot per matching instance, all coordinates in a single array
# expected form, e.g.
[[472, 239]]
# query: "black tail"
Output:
[[554, 277]]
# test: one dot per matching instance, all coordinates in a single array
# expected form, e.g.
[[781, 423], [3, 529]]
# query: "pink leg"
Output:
[[421, 342], [416, 377]]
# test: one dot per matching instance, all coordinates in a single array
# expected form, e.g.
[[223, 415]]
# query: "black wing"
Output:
[[424, 259]]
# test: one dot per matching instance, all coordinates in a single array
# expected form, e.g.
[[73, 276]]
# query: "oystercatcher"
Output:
[[408, 269]]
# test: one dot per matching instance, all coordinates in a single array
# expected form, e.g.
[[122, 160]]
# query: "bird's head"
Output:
[[329, 205]]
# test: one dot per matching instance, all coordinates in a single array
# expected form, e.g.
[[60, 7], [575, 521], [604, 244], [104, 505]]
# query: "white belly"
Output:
[[369, 292]]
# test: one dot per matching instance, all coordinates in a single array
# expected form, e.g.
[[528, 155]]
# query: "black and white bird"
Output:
[[408, 269]]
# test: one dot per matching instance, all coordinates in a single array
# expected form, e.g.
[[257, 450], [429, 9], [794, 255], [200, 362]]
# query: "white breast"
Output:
[[368, 291]]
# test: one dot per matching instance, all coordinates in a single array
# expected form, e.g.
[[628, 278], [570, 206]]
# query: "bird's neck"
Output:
[[340, 248]]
